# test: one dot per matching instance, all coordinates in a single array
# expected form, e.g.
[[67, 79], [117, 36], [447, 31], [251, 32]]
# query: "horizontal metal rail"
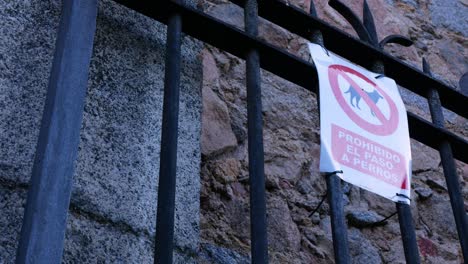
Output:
[[431, 135], [301, 23], [208, 29]]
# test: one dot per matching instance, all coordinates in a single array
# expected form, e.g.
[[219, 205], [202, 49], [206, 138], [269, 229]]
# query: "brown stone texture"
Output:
[[292, 146]]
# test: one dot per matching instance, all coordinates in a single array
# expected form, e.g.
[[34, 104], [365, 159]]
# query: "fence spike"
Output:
[[366, 30], [312, 10], [426, 67], [369, 24], [352, 18], [397, 39], [463, 83]]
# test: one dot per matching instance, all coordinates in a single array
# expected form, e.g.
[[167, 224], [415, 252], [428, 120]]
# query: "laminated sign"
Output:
[[364, 129]]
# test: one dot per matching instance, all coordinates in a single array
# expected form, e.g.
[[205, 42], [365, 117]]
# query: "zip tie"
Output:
[[326, 51], [402, 195], [379, 76], [333, 172], [385, 219], [318, 206]]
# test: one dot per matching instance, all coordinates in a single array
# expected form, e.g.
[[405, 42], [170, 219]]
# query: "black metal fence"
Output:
[[48, 199]]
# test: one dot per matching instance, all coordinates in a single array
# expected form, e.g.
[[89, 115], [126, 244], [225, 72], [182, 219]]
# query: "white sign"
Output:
[[364, 129]]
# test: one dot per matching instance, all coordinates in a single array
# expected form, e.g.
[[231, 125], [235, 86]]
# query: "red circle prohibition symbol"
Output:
[[387, 125]]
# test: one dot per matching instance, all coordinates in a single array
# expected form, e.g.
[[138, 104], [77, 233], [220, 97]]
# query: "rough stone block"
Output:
[[115, 183], [11, 206]]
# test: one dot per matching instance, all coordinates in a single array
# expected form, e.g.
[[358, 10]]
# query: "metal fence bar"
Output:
[[258, 224], [44, 221], [449, 168], [334, 190], [430, 135], [408, 235], [405, 219], [337, 218], [169, 135]]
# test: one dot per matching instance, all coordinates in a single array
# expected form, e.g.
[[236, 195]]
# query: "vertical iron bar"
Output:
[[337, 217], [335, 200], [45, 215], [449, 168], [408, 235], [334, 190], [168, 156], [258, 224]]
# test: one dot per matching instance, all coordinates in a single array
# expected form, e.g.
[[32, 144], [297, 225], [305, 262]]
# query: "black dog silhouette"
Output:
[[355, 96]]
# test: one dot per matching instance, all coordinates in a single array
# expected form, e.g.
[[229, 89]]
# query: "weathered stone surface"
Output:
[[374, 202], [427, 247], [361, 249], [217, 135], [284, 234], [425, 158], [118, 161], [228, 12], [438, 185], [92, 241], [409, 2], [12, 199], [28, 32], [119, 150], [291, 139], [392, 249], [463, 83], [211, 254], [226, 170], [432, 251], [90, 238], [118, 153], [450, 14], [210, 70], [423, 193], [363, 218], [439, 217]]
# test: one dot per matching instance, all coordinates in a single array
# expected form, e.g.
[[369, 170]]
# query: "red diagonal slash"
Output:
[[387, 126]]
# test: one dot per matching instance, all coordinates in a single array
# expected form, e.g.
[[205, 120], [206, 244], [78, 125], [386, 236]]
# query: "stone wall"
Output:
[[112, 215], [291, 138]]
